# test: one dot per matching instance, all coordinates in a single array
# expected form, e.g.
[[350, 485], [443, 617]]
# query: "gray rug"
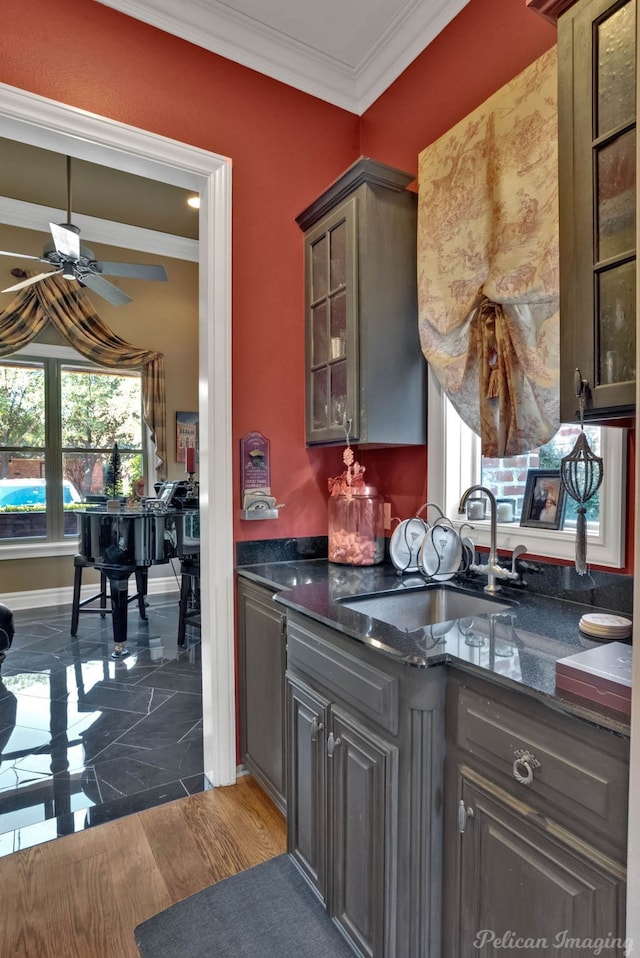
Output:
[[268, 911]]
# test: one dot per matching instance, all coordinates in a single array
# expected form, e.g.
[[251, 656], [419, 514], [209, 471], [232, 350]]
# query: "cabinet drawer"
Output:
[[364, 687], [578, 769]]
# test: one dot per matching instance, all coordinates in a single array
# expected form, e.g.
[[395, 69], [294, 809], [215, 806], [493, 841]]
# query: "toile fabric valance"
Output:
[[488, 282], [54, 300]]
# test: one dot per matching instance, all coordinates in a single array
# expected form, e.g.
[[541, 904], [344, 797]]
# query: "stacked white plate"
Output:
[[405, 543], [601, 625], [440, 553]]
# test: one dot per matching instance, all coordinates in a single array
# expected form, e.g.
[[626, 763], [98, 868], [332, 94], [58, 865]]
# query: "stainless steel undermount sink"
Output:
[[414, 608]]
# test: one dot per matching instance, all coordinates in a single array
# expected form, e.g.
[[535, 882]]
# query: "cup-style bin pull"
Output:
[[524, 766], [332, 744], [316, 727]]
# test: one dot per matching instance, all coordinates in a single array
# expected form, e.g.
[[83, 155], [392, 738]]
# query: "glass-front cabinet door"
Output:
[[332, 297], [597, 127]]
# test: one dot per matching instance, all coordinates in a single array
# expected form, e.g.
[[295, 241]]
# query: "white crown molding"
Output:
[[31, 216], [219, 28], [399, 46]]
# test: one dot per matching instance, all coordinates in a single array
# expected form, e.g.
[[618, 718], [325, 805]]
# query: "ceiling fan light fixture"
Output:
[[73, 261]]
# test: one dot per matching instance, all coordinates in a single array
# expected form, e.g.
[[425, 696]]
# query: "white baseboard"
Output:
[[46, 598]]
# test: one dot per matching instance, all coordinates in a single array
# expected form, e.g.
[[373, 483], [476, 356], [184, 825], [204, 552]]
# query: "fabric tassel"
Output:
[[581, 542], [493, 385]]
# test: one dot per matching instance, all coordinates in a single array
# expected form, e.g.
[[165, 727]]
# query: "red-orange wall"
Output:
[[286, 147]]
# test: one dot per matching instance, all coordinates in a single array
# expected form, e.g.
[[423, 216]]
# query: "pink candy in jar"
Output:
[[356, 527]]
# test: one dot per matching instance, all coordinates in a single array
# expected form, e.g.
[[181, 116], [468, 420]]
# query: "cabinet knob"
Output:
[[316, 726], [332, 744], [524, 766], [465, 812]]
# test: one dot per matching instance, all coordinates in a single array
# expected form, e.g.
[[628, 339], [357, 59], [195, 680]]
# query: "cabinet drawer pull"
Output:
[[524, 766], [316, 727], [332, 744]]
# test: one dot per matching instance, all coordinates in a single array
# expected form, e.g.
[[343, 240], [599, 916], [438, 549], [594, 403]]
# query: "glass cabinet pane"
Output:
[[338, 325], [616, 69], [338, 393], [617, 324], [339, 255], [319, 397], [319, 268], [616, 196], [320, 338]]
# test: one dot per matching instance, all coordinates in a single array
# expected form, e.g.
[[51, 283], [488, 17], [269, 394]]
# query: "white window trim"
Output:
[[36, 549], [453, 466]]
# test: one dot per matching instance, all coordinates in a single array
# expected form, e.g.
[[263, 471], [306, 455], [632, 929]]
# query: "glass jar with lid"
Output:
[[356, 527]]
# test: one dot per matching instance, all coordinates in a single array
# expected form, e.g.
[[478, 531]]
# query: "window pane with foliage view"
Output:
[[58, 425], [22, 450], [99, 409]]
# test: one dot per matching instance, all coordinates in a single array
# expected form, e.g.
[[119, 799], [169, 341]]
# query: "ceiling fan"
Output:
[[73, 260]]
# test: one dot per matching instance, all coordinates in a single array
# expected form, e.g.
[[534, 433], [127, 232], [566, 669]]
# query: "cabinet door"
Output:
[[262, 668], [331, 326], [521, 877], [362, 781], [597, 148], [306, 785]]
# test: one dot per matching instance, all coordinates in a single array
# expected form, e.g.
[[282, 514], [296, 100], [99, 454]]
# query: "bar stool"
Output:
[[189, 608], [103, 595]]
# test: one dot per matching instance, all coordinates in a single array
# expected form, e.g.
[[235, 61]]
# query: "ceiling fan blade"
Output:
[[31, 281], [66, 239], [20, 255], [104, 288], [132, 270]]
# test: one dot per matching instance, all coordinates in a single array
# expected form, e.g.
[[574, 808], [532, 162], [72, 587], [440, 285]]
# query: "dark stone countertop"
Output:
[[517, 647]]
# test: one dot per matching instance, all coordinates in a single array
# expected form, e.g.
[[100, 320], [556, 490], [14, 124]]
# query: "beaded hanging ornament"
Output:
[[581, 474]]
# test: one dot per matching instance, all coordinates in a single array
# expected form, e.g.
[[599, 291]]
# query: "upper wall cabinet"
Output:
[[597, 149], [364, 366]]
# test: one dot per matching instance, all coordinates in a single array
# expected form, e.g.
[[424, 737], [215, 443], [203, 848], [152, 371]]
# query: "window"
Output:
[[60, 416], [455, 463]]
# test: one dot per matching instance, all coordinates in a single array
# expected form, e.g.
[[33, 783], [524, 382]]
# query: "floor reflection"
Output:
[[85, 739]]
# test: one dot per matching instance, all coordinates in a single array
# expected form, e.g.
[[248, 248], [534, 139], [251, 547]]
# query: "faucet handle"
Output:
[[517, 552]]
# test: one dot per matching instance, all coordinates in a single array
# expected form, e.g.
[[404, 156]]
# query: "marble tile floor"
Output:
[[85, 739]]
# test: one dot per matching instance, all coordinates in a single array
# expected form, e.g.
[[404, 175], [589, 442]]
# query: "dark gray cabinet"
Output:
[[597, 194], [262, 662], [342, 800], [521, 876], [535, 824], [364, 789], [307, 818], [364, 365], [421, 826]]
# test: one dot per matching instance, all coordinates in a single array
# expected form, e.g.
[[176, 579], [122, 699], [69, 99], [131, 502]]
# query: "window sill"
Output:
[[39, 550], [545, 543]]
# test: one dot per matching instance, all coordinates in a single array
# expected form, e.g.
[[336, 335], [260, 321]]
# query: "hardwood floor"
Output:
[[82, 896]]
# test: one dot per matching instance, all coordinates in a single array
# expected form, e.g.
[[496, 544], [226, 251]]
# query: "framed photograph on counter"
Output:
[[544, 499]]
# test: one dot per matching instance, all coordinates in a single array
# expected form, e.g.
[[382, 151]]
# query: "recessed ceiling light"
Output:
[[194, 202]]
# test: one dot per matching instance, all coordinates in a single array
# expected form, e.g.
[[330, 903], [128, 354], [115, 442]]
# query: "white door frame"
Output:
[[32, 119]]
